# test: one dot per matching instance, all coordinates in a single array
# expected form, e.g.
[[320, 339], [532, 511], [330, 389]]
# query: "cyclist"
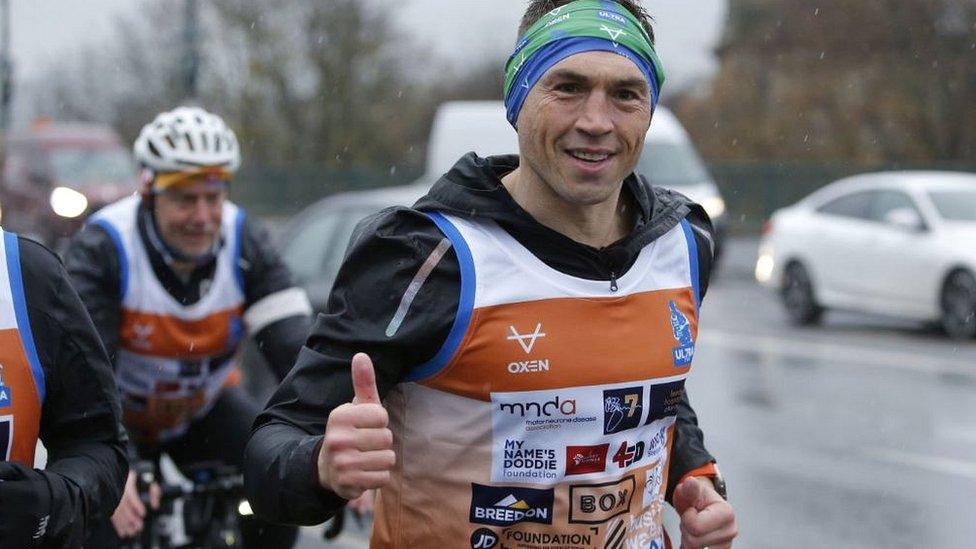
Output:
[[531, 320], [55, 385], [174, 278]]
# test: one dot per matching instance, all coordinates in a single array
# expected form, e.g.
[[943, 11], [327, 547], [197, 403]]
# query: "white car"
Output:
[[896, 243]]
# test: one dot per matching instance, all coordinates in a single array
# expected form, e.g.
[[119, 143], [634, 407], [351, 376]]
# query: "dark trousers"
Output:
[[221, 435]]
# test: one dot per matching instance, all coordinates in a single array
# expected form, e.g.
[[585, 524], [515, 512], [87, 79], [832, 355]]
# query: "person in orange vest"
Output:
[[176, 276], [56, 386], [506, 359]]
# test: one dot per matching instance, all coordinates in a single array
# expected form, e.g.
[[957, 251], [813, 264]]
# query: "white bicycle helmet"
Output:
[[187, 139]]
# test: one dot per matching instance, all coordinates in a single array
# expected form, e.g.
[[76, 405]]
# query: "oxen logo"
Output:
[[526, 341]]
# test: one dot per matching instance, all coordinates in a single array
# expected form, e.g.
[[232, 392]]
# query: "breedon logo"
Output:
[[508, 505]]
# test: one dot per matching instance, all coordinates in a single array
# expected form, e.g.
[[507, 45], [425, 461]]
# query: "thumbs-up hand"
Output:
[[707, 520], [357, 453]]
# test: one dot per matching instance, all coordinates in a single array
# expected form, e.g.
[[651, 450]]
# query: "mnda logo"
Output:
[[483, 538], [540, 409]]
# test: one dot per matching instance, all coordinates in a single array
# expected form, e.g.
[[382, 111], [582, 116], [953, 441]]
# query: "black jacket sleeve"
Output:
[[280, 461], [92, 262], [688, 450], [80, 421], [265, 276]]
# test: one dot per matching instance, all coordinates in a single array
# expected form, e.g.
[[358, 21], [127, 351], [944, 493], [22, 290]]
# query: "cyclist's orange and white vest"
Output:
[[21, 377], [173, 359], [546, 419]]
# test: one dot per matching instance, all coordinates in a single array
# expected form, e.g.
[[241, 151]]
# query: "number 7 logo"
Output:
[[631, 401]]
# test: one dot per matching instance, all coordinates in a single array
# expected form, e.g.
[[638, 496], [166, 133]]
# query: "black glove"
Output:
[[25, 506]]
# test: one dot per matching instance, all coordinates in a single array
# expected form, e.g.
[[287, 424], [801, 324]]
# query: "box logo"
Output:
[[598, 503]]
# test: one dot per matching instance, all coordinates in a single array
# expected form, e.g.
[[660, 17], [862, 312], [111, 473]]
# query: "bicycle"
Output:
[[204, 513]]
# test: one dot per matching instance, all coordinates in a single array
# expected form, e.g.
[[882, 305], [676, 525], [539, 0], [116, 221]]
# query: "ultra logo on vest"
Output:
[[6, 398]]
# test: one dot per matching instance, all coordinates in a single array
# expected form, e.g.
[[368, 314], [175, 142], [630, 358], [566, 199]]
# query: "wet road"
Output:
[[860, 433]]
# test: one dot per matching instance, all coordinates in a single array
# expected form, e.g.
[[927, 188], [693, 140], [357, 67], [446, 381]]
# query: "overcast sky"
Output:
[[45, 30]]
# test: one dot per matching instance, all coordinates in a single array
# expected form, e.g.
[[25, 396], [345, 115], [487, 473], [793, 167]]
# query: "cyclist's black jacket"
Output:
[[384, 255], [80, 418], [92, 259]]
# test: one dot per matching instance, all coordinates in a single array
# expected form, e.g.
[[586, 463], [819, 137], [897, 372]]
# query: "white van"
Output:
[[669, 158]]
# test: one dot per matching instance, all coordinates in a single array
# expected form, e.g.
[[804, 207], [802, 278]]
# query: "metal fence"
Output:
[[285, 190]]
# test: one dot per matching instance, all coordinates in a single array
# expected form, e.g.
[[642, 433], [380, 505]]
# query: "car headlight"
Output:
[[714, 206], [764, 267], [244, 508], [68, 202]]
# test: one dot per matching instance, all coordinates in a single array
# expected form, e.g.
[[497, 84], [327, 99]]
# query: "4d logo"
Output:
[[622, 409], [629, 454]]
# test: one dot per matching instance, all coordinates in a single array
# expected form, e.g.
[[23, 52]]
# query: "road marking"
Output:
[[955, 467], [836, 354]]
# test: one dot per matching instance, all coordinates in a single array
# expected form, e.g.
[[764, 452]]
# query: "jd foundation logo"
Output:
[[681, 328], [483, 538]]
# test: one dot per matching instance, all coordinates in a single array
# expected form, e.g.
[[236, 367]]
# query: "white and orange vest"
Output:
[[173, 359], [546, 420], [21, 377]]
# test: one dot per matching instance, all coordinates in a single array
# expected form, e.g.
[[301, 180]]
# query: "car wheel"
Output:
[[959, 305], [798, 296]]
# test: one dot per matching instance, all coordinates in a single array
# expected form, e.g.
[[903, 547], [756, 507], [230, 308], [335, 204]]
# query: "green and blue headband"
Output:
[[577, 27]]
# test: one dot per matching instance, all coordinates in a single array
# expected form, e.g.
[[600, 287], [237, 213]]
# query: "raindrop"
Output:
[[321, 39], [816, 11], [806, 138], [392, 170], [399, 94], [735, 141], [252, 25], [822, 54]]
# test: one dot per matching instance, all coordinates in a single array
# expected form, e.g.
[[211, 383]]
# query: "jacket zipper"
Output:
[[613, 281]]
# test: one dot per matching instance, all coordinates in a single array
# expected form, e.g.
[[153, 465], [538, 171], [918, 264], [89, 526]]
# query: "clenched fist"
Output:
[[707, 520], [357, 453]]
